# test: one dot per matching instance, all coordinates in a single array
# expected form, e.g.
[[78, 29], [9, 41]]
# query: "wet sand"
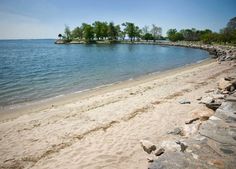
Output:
[[101, 128]]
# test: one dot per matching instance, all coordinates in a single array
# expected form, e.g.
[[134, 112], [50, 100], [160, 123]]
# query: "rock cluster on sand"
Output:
[[204, 142]]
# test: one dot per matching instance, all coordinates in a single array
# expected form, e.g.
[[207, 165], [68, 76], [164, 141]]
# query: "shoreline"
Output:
[[14, 111], [104, 129]]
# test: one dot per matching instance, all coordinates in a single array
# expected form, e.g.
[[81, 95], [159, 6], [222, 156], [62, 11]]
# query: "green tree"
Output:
[[173, 35], [122, 35], [130, 30], [77, 33], [67, 34], [88, 33], [209, 37], [147, 36], [138, 33], [112, 31], [97, 26], [104, 30]]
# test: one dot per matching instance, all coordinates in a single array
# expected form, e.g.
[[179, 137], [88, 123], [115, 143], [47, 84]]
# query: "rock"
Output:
[[191, 129], [176, 131], [147, 146], [213, 53], [200, 98], [213, 106], [227, 112], [229, 78], [170, 146], [231, 99], [225, 92], [207, 100], [150, 159], [232, 88], [224, 84], [209, 91], [172, 160], [59, 41], [184, 101], [195, 156], [214, 118], [160, 152], [192, 120], [218, 163], [204, 111], [183, 146], [218, 131], [218, 96], [204, 118]]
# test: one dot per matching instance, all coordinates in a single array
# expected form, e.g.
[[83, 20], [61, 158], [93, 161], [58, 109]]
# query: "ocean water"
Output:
[[33, 70]]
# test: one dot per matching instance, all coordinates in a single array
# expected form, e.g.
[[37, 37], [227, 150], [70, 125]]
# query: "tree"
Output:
[[131, 30], [97, 27], [173, 35], [156, 32], [112, 31], [67, 33], [191, 34], [88, 33], [122, 35], [118, 30], [209, 37], [104, 30], [147, 36], [138, 33], [77, 33], [145, 30], [232, 23]]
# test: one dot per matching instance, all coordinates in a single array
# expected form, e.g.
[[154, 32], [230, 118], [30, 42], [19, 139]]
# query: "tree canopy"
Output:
[[109, 31], [226, 35]]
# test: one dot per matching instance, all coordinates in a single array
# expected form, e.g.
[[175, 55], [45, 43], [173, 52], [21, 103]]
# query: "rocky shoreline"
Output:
[[219, 52], [205, 141]]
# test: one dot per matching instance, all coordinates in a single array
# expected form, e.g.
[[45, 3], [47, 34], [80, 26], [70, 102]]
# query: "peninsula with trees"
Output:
[[104, 32]]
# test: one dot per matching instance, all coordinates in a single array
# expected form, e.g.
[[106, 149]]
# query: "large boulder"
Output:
[[227, 84], [224, 84]]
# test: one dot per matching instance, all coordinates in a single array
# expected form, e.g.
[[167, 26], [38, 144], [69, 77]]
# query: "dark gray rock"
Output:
[[226, 111], [218, 131], [213, 106]]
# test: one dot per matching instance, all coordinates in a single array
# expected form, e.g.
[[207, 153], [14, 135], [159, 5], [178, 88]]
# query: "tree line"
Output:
[[226, 35], [110, 31], [100, 31]]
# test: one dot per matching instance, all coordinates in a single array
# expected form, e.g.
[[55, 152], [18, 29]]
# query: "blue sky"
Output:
[[46, 18]]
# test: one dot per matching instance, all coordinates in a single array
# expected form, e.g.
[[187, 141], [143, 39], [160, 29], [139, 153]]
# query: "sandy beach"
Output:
[[102, 128]]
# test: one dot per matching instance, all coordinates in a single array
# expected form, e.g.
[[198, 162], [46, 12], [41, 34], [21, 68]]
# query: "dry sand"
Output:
[[102, 128]]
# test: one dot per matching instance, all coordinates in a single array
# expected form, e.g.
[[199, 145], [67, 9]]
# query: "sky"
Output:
[[38, 19]]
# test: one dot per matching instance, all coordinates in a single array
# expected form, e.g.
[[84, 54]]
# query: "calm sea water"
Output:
[[38, 69]]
